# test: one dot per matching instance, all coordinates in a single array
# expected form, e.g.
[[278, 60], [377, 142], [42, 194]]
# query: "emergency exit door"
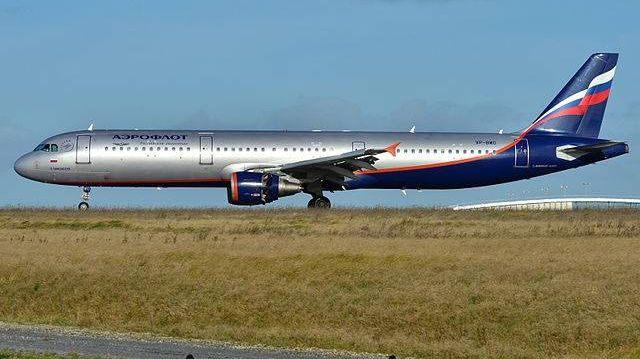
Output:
[[83, 149], [357, 145], [206, 150]]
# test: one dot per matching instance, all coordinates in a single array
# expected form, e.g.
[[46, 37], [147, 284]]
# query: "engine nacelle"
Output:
[[251, 188]]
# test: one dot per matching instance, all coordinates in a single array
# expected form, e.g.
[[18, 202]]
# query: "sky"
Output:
[[441, 65]]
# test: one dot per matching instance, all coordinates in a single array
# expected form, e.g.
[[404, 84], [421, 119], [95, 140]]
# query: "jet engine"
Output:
[[251, 188]]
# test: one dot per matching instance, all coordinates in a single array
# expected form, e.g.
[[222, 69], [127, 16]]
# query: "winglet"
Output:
[[90, 127], [392, 149]]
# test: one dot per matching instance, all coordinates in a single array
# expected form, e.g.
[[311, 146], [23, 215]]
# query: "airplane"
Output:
[[259, 167]]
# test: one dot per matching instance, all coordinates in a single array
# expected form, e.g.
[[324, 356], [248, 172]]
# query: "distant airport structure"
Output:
[[555, 204]]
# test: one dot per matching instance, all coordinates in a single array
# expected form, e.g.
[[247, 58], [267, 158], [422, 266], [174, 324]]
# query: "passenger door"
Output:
[[206, 150], [83, 149], [522, 154]]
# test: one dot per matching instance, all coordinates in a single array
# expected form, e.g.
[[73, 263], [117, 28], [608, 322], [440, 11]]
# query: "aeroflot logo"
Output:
[[150, 137]]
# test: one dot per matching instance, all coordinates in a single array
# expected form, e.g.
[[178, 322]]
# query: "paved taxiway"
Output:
[[84, 342]]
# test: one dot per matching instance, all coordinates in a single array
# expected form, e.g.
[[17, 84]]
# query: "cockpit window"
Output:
[[46, 147]]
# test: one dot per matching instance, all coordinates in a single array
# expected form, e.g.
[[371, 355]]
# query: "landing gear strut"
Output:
[[84, 205], [320, 202]]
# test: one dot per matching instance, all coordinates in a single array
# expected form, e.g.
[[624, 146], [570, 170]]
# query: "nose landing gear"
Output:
[[84, 205]]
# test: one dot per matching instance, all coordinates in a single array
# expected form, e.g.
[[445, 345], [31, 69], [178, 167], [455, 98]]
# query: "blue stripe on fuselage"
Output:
[[488, 171]]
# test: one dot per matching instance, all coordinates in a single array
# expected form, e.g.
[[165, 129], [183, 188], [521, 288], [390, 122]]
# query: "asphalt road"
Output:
[[64, 340]]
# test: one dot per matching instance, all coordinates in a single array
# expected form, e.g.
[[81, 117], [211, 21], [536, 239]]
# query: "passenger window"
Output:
[[420, 150], [135, 148], [158, 148], [128, 148], [273, 149], [121, 148], [324, 149], [217, 149], [180, 149], [464, 151], [301, 149], [413, 150], [294, 149], [106, 148], [248, 149], [457, 151], [450, 151], [188, 149], [239, 149], [472, 152], [144, 148], [426, 151], [262, 149], [255, 149], [317, 149], [233, 149], [150, 148], [173, 148], [308, 149]]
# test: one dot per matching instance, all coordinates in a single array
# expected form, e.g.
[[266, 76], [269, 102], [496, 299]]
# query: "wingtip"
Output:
[[393, 149]]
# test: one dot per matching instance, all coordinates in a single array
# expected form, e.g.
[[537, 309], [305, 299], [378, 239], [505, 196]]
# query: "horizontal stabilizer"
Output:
[[583, 150]]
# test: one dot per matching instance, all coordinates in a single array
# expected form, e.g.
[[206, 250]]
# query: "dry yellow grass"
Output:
[[426, 283], [29, 355]]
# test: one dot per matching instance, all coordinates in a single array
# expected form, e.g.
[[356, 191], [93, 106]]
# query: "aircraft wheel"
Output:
[[312, 203], [319, 202], [83, 206]]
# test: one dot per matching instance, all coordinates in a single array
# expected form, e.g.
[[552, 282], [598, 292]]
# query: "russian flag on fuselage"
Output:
[[579, 107]]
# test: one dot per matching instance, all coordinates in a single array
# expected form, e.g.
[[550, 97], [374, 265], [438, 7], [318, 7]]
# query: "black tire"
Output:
[[321, 202], [83, 206], [312, 203]]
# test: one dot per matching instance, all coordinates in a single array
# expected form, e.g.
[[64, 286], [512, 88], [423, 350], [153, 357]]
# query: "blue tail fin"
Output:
[[579, 107]]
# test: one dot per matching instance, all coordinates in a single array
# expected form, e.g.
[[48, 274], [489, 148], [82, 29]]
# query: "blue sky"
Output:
[[380, 65]]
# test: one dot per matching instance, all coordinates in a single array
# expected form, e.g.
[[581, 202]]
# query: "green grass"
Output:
[[426, 283]]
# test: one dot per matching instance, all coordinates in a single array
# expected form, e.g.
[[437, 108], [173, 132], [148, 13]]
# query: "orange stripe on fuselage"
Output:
[[579, 110]]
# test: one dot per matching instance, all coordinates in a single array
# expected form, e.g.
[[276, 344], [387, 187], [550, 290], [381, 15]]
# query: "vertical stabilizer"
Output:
[[578, 109]]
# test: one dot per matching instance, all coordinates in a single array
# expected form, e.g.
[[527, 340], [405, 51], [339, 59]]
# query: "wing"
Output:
[[332, 168]]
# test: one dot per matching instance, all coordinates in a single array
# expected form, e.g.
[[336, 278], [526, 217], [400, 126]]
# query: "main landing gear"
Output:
[[84, 205], [317, 199], [320, 202]]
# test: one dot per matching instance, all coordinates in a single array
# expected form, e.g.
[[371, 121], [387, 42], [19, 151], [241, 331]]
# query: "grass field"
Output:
[[5, 354], [425, 283]]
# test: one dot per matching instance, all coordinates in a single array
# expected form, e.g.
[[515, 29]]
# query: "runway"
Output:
[[63, 340]]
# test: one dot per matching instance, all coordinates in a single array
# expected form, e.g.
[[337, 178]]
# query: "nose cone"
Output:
[[22, 166]]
